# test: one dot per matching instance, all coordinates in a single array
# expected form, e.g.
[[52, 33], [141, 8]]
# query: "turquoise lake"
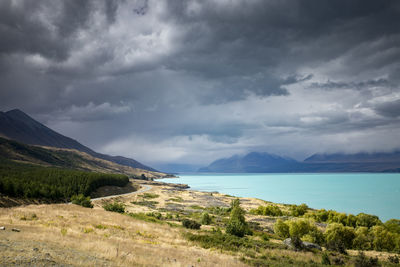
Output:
[[372, 193]]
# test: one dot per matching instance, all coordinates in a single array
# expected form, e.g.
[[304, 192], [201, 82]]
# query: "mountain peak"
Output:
[[17, 125], [251, 162]]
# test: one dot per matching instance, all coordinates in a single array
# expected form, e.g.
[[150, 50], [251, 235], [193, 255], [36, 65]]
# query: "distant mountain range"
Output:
[[252, 162], [17, 125], [255, 162]]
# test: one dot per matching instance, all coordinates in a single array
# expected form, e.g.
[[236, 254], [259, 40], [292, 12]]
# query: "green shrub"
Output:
[[367, 220], [299, 227], [270, 210], [314, 236], [332, 216], [115, 207], [393, 226], [281, 229], [237, 224], [339, 237], [383, 239], [82, 201], [190, 224], [363, 239], [299, 210], [150, 195], [205, 218]]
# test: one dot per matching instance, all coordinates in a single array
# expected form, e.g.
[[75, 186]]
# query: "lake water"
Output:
[[372, 193]]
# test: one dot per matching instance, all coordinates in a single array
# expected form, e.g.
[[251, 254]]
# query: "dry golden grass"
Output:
[[88, 236]]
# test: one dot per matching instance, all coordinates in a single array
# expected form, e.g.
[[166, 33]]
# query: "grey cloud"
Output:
[[75, 15], [177, 69], [22, 32], [351, 85], [111, 7], [389, 109]]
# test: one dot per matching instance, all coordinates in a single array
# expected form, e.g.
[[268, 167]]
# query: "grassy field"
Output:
[[150, 233]]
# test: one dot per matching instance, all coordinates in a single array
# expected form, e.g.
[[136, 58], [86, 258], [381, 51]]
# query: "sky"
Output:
[[187, 81]]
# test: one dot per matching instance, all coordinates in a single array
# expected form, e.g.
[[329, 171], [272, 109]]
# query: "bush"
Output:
[[205, 218], [332, 216], [314, 236], [237, 224], [115, 207], [393, 226], [297, 211], [190, 224], [281, 229], [150, 195], [270, 210], [383, 239], [364, 239], [367, 220], [363, 261], [339, 237], [156, 215], [82, 201], [299, 227]]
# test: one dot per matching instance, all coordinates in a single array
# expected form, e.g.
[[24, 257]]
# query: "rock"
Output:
[[35, 249], [302, 245], [15, 230], [309, 245], [2, 228]]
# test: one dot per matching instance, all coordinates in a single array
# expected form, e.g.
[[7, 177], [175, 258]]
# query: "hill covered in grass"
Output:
[[66, 158], [17, 125]]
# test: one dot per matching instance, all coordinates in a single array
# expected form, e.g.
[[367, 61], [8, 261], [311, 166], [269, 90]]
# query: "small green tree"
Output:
[[298, 227], [297, 211], [363, 239], [281, 228], [383, 239], [367, 220], [393, 226], [237, 224], [82, 201], [339, 237]]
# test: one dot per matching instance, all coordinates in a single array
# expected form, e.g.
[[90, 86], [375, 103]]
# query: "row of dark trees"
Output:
[[29, 181]]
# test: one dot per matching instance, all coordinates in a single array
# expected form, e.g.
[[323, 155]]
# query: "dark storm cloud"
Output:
[[389, 109], [22, 32], [354, 85], [111, 7], [201, 75], [75, 14]]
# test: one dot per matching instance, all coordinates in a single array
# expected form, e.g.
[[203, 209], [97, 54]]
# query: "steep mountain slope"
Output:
[[66, 158], [253, 162], [17, 125]]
